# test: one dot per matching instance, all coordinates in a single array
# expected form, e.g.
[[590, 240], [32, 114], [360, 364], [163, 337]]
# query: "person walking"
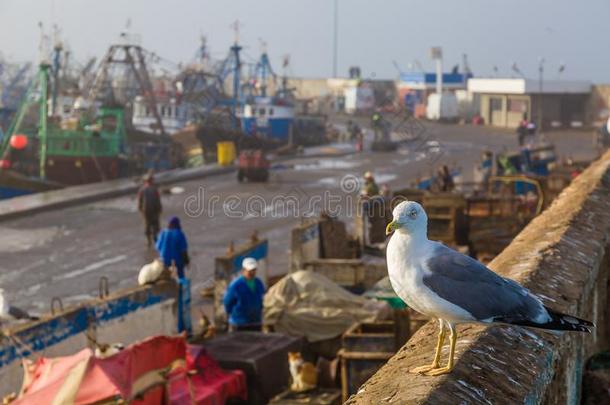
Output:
[[173, 251], [522, 130], [173, 247], [149, 206], [243, 300]]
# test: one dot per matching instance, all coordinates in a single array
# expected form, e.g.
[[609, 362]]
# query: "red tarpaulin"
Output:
[[149, 371]]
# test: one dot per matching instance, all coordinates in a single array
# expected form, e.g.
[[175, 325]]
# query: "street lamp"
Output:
[[335, 36], [540, 72]]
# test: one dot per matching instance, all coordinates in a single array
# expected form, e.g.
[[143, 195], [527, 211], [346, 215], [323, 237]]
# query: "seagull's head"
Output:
[[408, 217]]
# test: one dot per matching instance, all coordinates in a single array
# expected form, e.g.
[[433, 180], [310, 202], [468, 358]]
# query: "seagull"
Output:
[[454, 288], [9, 312]]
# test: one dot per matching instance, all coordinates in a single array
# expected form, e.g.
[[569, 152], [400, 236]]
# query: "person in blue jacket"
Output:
[[172, 246], [173, 249], [243, 300]]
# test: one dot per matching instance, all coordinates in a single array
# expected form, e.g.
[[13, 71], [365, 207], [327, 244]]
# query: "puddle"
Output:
[[327, 164], [19, 240]]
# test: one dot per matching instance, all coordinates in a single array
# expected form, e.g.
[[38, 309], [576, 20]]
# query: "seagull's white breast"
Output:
[[407, 266]]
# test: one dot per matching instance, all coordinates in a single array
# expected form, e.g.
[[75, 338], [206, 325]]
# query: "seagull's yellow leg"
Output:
[[449, 366], [437, 355]]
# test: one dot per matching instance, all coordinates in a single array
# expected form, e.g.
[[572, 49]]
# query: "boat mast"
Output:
[[43, 79], [235, 49]]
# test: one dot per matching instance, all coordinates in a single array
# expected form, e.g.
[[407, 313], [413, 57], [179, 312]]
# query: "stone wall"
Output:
[[562, 256]]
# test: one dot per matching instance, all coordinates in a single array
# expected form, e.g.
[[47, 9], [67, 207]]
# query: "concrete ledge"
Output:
[[563, 257], [76, 195]]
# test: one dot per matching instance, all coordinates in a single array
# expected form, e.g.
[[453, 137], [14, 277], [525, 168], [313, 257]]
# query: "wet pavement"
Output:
[[64, 252]]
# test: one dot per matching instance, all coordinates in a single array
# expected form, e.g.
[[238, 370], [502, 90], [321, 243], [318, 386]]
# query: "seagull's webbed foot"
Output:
[[439, 371], [423, 369], [437, 355]]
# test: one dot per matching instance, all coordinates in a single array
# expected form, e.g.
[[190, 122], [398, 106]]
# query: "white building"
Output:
[[557, 103]]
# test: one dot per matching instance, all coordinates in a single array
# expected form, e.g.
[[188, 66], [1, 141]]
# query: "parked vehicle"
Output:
[[253, 165]]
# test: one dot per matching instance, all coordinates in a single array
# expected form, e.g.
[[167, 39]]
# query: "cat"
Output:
[[208, 331], [304, 374], [104, 350]]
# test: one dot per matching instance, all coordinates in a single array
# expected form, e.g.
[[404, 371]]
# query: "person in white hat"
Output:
[[370, 188], [243, 300]]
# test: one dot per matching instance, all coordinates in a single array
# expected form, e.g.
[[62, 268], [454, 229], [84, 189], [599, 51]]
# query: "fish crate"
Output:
[[486, 206], [446, 217], [410, 194], [358, 367], [407, 322], [371, 337], [491, 235], [348, 273], [316, 396], [334, 240], [365, 348]]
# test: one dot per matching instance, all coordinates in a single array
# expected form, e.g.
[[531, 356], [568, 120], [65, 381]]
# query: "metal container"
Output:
[[262, 356]]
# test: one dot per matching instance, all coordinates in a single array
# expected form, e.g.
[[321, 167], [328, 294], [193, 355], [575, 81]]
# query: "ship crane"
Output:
[[122, 74]]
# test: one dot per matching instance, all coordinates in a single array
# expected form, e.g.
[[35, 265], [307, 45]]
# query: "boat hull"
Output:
[[14, 184], [72, 171]]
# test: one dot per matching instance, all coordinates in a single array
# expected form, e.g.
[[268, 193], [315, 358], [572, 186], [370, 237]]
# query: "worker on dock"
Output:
[[243, 300], [444, 180], [149, 205], [377, 124], [370, 188], [522, 130], [173, 247], [483, 171], [173, 250]]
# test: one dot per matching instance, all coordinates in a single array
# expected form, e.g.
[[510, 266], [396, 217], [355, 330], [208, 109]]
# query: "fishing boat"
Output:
[[42, 152]]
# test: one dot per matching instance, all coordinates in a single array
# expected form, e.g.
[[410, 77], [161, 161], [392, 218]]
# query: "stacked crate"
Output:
[[365, 348], [446, 218]]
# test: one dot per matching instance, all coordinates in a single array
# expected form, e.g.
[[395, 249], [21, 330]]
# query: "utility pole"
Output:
[[540, 72], [335, 41]]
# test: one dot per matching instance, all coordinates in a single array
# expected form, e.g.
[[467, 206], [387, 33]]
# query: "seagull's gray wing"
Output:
[[470, 285]]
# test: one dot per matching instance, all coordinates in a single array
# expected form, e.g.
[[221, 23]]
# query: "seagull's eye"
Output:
[[413, 214]]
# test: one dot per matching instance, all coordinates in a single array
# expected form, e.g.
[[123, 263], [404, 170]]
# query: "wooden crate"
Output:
[[446, 217], [348, 273], [411, 194], [371, 337], [358, 367], [317, 396]]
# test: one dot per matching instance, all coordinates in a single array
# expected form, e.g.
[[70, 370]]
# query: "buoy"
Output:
[[19, 141]]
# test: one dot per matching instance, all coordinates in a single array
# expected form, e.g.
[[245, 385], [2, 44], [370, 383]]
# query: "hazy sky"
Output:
[[371, 33]]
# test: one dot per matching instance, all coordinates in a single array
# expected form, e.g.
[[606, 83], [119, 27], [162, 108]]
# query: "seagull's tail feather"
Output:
[[561, 321], [558, 321]]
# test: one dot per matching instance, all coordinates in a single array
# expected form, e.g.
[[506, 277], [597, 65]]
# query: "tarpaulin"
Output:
[[308, 304], [148, 372]]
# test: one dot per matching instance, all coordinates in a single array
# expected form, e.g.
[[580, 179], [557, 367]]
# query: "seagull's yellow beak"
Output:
[[392, 226]]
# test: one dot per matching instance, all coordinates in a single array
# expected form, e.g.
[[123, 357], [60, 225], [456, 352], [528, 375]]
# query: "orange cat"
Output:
[[304, 374]]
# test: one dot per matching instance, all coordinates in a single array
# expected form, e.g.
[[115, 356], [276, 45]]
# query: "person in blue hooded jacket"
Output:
[[172, 246], [243, 300]]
